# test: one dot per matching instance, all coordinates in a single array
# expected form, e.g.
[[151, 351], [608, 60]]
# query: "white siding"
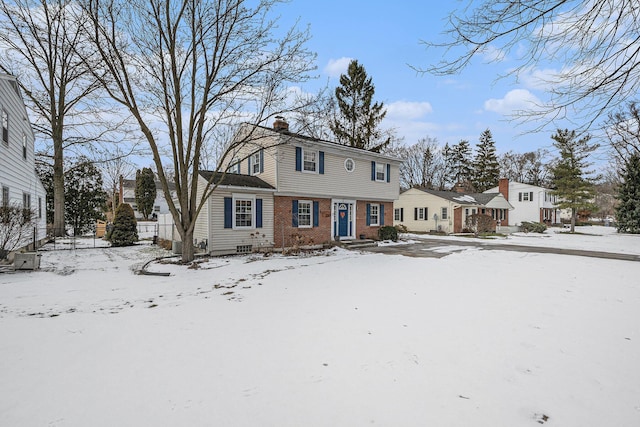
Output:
[[336, 182], [17, 173], [225, 240], [414, 198], [528, 210]]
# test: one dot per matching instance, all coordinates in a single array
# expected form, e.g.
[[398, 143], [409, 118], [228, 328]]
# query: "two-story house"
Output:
[[283, 190], [530, 202], [425, 210], [18, 179]]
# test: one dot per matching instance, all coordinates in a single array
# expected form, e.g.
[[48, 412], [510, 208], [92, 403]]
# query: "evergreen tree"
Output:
[[461, 164], [357, 119], [125, 227], [628, 209], [486, 169], [84, 197], [145, 192], [573, 185]]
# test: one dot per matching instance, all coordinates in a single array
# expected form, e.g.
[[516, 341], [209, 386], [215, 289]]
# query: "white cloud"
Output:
[[335, 67], [493, 54], [407, 110], [514, 101]]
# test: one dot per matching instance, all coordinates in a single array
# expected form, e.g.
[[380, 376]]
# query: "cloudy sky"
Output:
[[386, 38]]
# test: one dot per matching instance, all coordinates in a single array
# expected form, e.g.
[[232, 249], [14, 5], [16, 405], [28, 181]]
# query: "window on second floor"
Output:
[[255, 163], [5, 126], [380, 172], [234, 166], [309, 163], [525, 196], [24, 146]]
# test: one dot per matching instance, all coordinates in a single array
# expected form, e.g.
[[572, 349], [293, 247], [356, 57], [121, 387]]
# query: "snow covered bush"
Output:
[[388, 232], [533, 227]]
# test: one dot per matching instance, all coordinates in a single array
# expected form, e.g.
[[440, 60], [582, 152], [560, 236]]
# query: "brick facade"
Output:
[[371, 232], [286, 235]]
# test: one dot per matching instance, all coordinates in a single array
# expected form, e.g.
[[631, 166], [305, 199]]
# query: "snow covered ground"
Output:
[[477, 338]]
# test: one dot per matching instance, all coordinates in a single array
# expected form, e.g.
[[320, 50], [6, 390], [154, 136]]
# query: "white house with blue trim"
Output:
[[319, 191]]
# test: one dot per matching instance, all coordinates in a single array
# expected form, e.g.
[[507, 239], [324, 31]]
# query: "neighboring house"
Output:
[[424, 210], [322, 191], [18, 179], [128, 195], [531, 203]]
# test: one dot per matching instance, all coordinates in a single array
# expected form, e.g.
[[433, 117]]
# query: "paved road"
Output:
[[438, 248]]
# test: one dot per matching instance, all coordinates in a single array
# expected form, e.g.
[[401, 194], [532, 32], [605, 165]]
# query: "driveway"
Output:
[[438, 248]]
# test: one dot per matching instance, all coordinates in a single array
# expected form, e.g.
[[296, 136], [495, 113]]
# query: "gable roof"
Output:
[[235, 180], [492, 200], [305, 138]]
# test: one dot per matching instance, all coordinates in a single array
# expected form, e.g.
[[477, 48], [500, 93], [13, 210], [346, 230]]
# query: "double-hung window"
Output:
[[255, 163], [305, 212], [310, 161], [444, 213], [235, 166], [243, 213], [24, 146], [374, 214], [5, 126], [381, 171]]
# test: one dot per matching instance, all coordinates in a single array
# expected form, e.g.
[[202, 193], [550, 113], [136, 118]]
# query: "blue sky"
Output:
[[385, 38]]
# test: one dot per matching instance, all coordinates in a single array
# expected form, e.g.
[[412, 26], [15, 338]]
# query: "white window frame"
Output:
[[313, 161], [373, 207], [5, 125], [525, 196], [349, 164], [235, 213], [235, 166], [304, 205], [24, 145], [444, 213], [421, 216], [381, 172], [255, 163]]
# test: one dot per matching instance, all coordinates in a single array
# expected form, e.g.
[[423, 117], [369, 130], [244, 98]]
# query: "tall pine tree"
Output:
[[356, 121], [461, 165], [573, 184], [628, 209], [145, 192], [486, 169]]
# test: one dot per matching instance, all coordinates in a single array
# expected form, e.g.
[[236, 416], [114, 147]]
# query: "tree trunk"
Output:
[[573, 220], [58, 187], [187, 246]]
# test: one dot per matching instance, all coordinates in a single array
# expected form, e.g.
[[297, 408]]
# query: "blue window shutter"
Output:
[[258, 213], [261, 160], [373, 171], [388, 172], [316, 213], [249, 166], [368, 214], [298, 158], [321, 160], [294, 213], [381, 221], [228, 213]]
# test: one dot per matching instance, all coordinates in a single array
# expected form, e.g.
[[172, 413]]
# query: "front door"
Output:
[[343, 220]]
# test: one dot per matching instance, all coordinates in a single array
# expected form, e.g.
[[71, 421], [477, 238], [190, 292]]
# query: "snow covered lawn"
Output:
[[478, 338]]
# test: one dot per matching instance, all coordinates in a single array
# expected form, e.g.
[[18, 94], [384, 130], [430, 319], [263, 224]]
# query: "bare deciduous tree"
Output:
[[423, 164], [41, 42], [623, 131], [186, 71], [597, 42]]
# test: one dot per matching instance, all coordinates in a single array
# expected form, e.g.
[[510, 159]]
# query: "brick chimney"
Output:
[[280, 124], [503, 187]]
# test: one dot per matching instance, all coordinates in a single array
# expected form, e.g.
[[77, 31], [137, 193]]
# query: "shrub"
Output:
[[480, 224], [388, 232], [402, 228], [533, 227], [125, 227]]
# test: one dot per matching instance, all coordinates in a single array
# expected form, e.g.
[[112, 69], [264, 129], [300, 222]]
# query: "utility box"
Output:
[[176, 247], [27, 261]]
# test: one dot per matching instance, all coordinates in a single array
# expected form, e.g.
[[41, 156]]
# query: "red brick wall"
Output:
[[283, 228], [503, 187], [371, 232]]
